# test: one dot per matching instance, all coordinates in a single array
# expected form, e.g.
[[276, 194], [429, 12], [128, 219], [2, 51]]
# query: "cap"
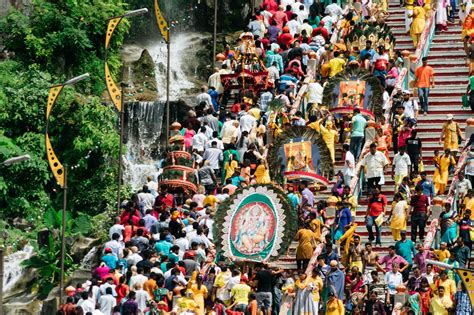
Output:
[[449, 116], [406, 92], [108, 250], [333, 263]]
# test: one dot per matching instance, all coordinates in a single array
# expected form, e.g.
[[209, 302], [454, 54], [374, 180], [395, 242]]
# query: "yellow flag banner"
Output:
[[162, 24], [54, 92], [110, 29], [56, 166], [467, 277], [114, 92]]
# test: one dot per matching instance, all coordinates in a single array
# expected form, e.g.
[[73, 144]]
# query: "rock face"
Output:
[[6, 5], [26, 305]]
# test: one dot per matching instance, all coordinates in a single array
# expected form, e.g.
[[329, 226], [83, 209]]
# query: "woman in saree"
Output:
[[288, 300], [188, 134], [200, 293], [451, 134], [414, 300], [398, 217], [425, 296], [449, 228], [304, 297], [442, 164]]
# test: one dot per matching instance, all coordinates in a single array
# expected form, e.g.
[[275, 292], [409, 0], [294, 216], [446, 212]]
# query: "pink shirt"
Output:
[[388, 261]]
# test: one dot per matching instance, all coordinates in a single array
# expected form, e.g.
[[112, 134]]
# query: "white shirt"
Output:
[[220, 144], [204, 97], [116, 228], [141, 297], [199, 141], [137, 279], [401, 163], [273, 74], [87, 305], [214, 156], [293, 25], [349, 165], [266, 17], [333, 9], [315, 93], [103, 288], [183, 244], [462, 186], [209, 223], [215, 81], [393, 281], [116, 247], [230, 133], [375, 164], [411, 106], [152, 185], [134, 259], [107, 303], [147, 199], [247, 122]]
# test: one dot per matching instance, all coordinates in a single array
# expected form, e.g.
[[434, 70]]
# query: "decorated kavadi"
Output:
[[300, 154], [353, 88], [256, 223]]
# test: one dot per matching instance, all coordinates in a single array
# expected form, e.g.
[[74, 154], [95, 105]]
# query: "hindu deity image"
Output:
[[254, 228]]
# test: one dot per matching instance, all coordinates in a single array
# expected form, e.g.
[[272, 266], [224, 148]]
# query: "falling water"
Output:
[[13, 271], [183, 48], [88, 260], [143, 124]]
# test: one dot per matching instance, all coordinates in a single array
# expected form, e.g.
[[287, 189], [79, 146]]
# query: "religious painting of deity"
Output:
[[253, 228], [255, 224], [298, 156], [351, 94]]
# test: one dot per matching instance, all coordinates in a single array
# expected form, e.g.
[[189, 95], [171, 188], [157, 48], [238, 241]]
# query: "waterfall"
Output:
[[88, 260], [183, 60], [143, 129], [13, 271]]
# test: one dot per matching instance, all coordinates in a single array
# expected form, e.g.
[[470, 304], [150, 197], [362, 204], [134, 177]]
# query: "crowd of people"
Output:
[[161, 257]]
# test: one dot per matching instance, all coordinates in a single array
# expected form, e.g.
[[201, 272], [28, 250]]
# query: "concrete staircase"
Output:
[[447, 57]]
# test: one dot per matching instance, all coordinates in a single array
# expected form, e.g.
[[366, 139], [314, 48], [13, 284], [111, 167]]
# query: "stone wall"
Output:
[[6, 5]]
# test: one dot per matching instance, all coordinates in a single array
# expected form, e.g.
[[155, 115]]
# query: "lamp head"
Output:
[[135, 12], [77, 79]]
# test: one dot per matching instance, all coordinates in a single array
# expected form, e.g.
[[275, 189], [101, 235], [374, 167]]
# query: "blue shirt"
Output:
[[214, 96], [370, 52], [110, 261], [358, 125], [343, 218], [163, 247], [428, 188], [273, 57], [406, 249], [286, 80], [463, 304], [294, 200]]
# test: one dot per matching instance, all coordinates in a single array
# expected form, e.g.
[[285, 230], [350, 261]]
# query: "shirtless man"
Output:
[[369, 259]]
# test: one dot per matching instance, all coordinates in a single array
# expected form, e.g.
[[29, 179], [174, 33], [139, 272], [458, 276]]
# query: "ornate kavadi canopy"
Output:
[[256, 223], [354, 88], [300, 154]]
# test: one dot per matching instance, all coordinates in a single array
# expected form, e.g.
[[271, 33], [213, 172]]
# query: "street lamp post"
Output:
[[115, 93], [214, 41], [59, 171], [8, 162]]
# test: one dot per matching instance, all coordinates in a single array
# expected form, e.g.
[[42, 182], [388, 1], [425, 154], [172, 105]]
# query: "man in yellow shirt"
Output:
[[440, 303], [336, 64], [442, 253], [211, 201], [240, 295], [448, 285]]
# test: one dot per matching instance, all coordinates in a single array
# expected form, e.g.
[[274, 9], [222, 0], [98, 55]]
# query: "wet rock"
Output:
[[82, 246], [24, 305]]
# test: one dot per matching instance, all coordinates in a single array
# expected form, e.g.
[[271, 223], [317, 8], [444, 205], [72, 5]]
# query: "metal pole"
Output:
[[63, 237], [168, 62], [214, 35], [1, 280], [122, 124]]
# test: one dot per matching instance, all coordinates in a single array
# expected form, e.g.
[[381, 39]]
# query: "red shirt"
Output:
[[419, 203], [324, 32], [285, 38], [376, 205]]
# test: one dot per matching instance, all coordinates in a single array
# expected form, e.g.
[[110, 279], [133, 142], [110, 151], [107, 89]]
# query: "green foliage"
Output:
[[83, 134], [66, 37], [47, 266]]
